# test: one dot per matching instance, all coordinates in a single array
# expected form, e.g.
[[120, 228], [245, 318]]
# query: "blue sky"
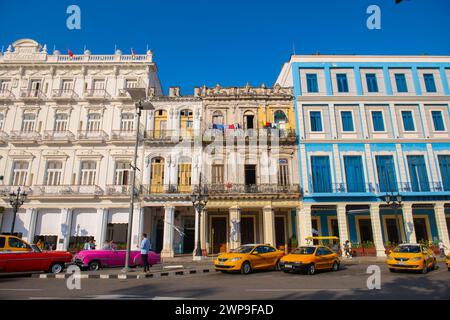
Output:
[[230, 42]]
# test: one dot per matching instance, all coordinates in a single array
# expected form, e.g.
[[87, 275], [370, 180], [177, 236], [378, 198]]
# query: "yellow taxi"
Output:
[[310, 259], [12, 243], [249, 257], [447, 261], [411, 256]]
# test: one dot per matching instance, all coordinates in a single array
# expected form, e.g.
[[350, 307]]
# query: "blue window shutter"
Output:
[[444, 165], [386, 173], [430, 85], [321, 174], [438, 122], [316, 121], [377, 119], [418, 173], [400, 81], [354, 174], [408, 123], [347, 121], [371, 80], [311, 81], [342, 83]]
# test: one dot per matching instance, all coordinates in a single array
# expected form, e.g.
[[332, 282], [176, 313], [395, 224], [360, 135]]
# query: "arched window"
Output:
[[217, 117], [249, 120], [280, 117]]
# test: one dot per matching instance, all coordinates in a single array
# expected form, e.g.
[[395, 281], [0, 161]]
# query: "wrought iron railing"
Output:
[[67, 190], [64, 94]]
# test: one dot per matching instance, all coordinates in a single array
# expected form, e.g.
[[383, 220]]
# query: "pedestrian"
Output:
[[441, 248], [92, 245], [87, 245], [145, 248], [347, 252]]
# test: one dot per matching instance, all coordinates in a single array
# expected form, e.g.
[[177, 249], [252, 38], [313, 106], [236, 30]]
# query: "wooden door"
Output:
[[157, 176], [184, 177]]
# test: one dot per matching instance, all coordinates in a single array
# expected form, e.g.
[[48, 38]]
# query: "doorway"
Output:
[[420, 226], [280, 234], [249, 121], [218, 235], [159, 238], [365, 230], [247, 230], [392, 230], [250, 177], [189, 235]]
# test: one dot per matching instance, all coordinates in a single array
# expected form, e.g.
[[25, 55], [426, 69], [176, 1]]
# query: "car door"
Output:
[[321, 259], [257, 257], [328, 256], [271, 256]]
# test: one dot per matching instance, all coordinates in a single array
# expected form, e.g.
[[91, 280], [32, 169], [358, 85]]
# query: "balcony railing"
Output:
[[67, 190], [64, 94], [283, 135], [25, 136], [118, 190], [161, 136], [421, 187], [32, 94], [124, 136], [92, 136], [6, 190], [166, 189], [58, 136], [6, 94], [231, 188], [97, 93]]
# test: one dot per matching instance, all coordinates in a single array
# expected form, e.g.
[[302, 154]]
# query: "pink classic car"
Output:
[[96, 259]]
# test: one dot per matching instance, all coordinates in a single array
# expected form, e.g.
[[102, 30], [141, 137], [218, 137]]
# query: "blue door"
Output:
[[418, 173], [386, 173], [321, 174], [354, 174], [444, 165]]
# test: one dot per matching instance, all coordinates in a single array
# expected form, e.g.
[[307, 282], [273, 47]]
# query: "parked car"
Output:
[[249, 257], [310, 259], [96, 259], [447, 261], [411, 256], [30, 258]]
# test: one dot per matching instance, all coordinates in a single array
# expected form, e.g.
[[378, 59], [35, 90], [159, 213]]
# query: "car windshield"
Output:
[[304, 250], [243, 249], [407, 249]]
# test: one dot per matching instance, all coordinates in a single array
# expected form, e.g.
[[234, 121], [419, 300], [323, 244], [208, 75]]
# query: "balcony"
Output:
[[6, 94], [24, 137], [406, 187], [161, 136], [64, 94], [94, 94], [164, 192], [4, 137], [6, 190], [232, 190], [57, 137], [284, 136], [91, 137], [118, 190], [122, 136], [67, 191], [32, 94]]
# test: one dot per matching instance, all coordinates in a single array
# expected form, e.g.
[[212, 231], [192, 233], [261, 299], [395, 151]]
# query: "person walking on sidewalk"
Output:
[[347, 249], [441, 248], [145, 248]]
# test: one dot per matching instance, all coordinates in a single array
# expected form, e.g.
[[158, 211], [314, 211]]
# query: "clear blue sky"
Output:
[[230, 42]]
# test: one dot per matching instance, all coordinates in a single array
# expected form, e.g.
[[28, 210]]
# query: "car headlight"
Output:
[[235, 259], [416, 259]]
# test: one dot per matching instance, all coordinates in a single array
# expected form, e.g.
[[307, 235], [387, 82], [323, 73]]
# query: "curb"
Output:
[[120, 276]]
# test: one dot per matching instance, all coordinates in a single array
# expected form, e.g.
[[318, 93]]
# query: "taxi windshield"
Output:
[[243, 249], [407, 249], [304, 250]]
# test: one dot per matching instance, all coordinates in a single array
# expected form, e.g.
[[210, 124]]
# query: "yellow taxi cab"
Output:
[[310, 259], [13, 243], [411, 256], [447, 261], [249, 257]]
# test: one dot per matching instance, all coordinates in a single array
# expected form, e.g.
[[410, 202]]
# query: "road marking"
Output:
[[295, 290], [171, 298], [7, 289], [173, 267]]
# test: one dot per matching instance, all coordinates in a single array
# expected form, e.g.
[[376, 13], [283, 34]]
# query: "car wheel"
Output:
[[94, 265], [246, 268], [286, 271], [425, 267], [56, 268], [448, 268], [311, 269], [335, 266], [223, 271]]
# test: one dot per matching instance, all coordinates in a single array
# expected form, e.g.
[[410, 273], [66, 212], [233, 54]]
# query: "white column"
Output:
[[1, 220], [426, 130], [408, 222], [439, 212], [364, 131], [401, 164], [394, 121], [203, 221], [370, 165], [376, 229], [304, 223], [337, 164], [197, 232], [341, 213], [138, 226], [235, 227], [269, 226], [30, 224], [65, 230], [102, 225], [169, 217], [433, 164], [304, 167]]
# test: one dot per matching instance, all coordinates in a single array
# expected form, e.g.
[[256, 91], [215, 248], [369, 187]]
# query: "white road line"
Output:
[[11, 289], [295, 290], [171, 298]]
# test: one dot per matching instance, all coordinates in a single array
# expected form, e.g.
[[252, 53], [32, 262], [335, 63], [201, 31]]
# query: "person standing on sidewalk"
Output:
[[441, 248], [145, 248], [347, 249]]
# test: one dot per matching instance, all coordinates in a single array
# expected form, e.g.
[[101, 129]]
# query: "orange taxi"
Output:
[[310, 259], [411, 256]]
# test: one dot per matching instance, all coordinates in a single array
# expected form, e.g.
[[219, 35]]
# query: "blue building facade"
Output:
[[372, 129]]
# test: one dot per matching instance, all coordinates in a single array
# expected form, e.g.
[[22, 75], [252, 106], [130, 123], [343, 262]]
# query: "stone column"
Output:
[[408, 221], [235, 227], [439, 212], [203, 221], [376, 229], [138, 227], [341, 213], [304, 223], [169, 217], [269, 226], [101, 227], [30, 224], [65, 230], [197, 235]]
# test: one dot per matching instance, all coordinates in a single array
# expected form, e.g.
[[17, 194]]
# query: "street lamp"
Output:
[[394, 201], [16, 200], [199, 198], [139, 96]]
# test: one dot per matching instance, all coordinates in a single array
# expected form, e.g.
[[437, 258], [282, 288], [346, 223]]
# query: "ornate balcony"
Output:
[[6, 190], [421, 187], [64, 94], [233, 190], [122, 136], [168, 191], [32, 94], [90, 137], [97, 94], [6, 94], [25, 137], [67, 191], [52, 136], [118, 190], [284, 136], [161, 136]]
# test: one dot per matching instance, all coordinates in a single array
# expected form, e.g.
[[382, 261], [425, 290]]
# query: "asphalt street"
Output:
[[348, 283]]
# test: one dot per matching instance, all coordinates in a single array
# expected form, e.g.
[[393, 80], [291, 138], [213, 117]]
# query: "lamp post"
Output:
[[16, 200], [199, 198], [394, 201], [138, 95]]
